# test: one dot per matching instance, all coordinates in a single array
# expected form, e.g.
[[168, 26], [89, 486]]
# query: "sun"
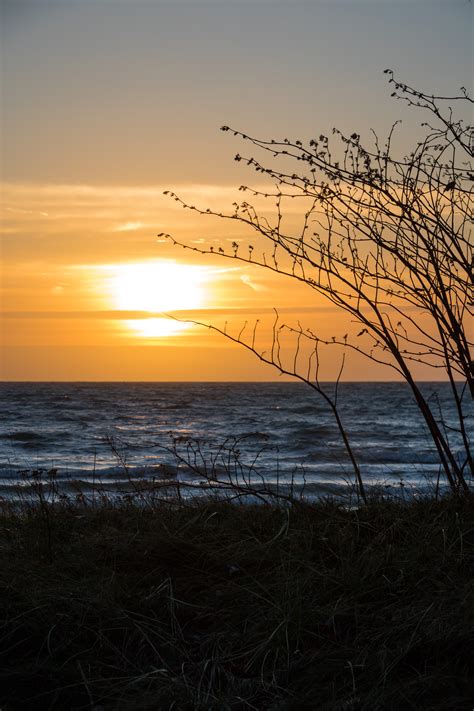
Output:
[[157, 286]]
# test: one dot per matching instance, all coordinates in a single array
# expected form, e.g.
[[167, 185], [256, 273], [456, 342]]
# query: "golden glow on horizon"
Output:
[[69, 304], [157, 286]]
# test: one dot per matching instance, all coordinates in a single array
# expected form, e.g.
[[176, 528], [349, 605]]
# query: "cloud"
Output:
[[26, 212], [248, 281], [121, 314], [129, 227]]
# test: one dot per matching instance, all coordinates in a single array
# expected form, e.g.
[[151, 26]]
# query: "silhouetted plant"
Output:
[[386, 239]]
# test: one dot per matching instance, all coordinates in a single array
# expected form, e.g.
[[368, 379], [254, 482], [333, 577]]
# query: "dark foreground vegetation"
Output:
[[224, 607]]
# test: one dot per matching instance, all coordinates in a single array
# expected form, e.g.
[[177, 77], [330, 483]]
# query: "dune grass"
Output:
[[215, 606]]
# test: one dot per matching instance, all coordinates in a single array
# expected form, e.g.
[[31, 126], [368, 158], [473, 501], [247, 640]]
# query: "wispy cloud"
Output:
[[117, 314], [129, 227], [248, 281], [19, 210]]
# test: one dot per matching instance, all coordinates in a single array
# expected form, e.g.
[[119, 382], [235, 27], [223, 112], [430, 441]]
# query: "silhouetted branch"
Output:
[[386, 239]]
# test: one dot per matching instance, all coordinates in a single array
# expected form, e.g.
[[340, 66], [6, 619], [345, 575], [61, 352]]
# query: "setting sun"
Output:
[[157, 286]]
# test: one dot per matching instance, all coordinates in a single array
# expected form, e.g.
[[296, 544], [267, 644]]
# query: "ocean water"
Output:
[[114, 436]]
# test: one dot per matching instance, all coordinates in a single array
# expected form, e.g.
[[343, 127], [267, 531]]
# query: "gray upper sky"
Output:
[[134, 92]]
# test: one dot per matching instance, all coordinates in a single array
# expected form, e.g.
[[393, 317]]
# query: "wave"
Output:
[[23, 436]]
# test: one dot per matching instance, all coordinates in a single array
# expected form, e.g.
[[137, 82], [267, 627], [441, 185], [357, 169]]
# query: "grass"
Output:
[[216, 606]]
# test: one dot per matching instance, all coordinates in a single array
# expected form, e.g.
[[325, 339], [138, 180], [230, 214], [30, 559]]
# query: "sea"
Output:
[[229, 439]]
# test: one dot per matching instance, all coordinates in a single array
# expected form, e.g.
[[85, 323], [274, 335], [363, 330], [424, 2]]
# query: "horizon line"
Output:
[[214, 382]]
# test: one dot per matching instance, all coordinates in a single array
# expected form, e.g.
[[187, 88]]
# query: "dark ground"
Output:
[[226, 607]]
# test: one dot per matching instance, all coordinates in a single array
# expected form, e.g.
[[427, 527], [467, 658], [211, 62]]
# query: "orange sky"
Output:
[[103, 111], [85, 300]]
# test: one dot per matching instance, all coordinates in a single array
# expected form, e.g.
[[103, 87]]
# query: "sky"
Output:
[[106, 104]]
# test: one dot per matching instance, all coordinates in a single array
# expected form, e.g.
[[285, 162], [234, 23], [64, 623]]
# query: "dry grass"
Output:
[[215, 606]]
